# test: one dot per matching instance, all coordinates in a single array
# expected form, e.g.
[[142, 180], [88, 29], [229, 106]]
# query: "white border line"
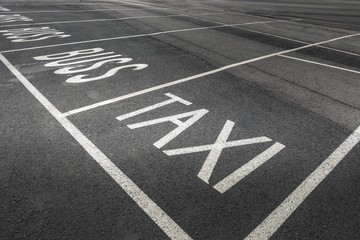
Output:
[[321, 64], [278, 36], [89, 10], [200, 75], [276, 219], [171, 229], [144, 35], [110, 19]]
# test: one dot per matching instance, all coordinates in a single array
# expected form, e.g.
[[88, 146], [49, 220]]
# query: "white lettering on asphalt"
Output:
[[248, 168], [182, 126], [215, 149], [14, 18], [78, 62], [172, 99], [32, 34]]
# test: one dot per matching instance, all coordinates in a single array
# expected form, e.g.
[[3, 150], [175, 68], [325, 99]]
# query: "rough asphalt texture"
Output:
[[50, 188]]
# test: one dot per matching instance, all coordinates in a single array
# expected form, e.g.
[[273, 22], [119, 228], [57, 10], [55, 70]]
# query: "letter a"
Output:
[[182, 126]]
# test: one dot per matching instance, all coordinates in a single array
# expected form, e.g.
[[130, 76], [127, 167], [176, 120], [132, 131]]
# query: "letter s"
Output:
[[112, 72]]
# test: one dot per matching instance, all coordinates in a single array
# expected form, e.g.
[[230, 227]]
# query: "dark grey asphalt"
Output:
[[51, 188]]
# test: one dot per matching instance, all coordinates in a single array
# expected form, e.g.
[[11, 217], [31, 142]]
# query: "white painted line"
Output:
[[204, 148], [109, 20], [294, 5], [278, 36], [142, 200], [215, 152], [57, 4], [142, 35], [143, 4], [320, 64], [200, 75], [173, 99], [192, 117], [179, 5], [274, 221], [248, 168], [91, 10]]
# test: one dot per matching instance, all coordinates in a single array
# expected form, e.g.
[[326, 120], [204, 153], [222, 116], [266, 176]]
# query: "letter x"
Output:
[[216, 149]]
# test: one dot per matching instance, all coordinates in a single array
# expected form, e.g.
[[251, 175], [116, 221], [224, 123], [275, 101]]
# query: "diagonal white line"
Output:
[[320, 64], [248, 168], [200, 75], [90, 10], [274, 221], [215, 152], [108, 19], [278, 36], [208, 147], [143, 35]]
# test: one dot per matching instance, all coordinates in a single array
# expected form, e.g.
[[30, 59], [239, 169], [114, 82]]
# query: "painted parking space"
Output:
[[211, 141], [252, 116]]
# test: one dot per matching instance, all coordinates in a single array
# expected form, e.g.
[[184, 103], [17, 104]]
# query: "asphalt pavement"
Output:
[[165, 119]]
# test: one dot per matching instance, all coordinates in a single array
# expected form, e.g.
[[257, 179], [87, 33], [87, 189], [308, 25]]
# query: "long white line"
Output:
[[294, 5], [109, 19], [173, 230], [274, 221], [143, 35], [321, 64], [165, 85], [90, 10], [278, 36], [55, 4]]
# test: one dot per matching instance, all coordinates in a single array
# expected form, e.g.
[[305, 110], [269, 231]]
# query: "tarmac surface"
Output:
[[189, 119]]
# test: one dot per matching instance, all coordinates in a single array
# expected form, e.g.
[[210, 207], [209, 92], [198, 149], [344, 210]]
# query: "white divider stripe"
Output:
[[108, 19], [248, 168], [171, 229], [91, 10], [274, 221], [169, 84], [320, 64], [144, 35], [278, 36]]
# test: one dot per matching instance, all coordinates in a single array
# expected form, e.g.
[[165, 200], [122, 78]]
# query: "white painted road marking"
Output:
[[87, 56], [90, 10], [248, 168], [274, 221], [278, 36], [193, 116], [166, 224], [200, 75], [215, 151], [110, 19], [32, 34], [172, 99], [14, 18], [144, 35], [320, 64]]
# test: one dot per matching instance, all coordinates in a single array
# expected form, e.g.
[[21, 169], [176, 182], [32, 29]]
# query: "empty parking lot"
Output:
[[179, 119]]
